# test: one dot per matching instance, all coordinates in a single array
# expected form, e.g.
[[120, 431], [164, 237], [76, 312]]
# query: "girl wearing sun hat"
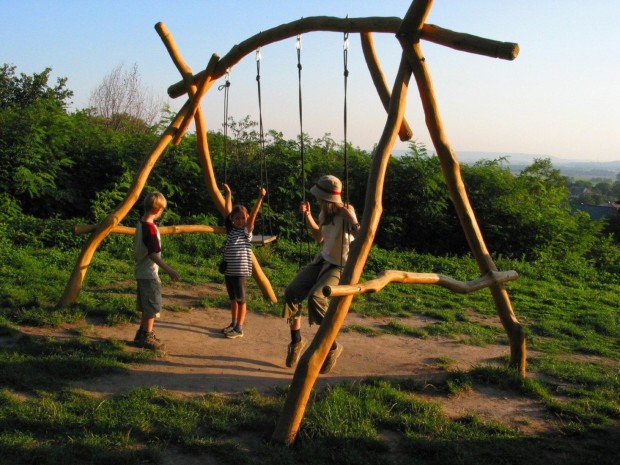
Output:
[[336, 228]]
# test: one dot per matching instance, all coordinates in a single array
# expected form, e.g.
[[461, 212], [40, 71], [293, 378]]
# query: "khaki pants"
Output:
[[309, 283]]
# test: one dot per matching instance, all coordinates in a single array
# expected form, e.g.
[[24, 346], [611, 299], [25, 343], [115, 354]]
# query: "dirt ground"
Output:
[[199, 359]]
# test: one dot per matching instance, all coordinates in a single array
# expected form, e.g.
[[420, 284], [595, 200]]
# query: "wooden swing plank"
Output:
[[261, 239]]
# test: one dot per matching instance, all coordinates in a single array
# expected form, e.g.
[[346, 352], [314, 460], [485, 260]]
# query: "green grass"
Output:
[[570, 320], [346, 423]]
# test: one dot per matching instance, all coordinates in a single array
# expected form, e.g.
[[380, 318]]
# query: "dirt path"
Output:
[[199, 359]]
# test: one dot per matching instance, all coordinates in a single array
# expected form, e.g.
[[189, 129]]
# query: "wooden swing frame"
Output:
[[409, 31]]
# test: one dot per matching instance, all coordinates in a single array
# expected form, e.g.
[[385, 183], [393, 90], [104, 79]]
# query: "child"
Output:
[[336, 228], [238, 257], [147, 253]]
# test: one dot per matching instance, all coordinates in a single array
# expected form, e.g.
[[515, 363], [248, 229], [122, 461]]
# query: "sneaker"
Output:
[[139, 335], [330, 361], [294, 352], [234, 333], [147, 340], [228, 329]]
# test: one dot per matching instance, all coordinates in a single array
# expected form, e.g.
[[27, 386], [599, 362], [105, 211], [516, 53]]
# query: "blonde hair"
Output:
[[329, 211], [154, 201]]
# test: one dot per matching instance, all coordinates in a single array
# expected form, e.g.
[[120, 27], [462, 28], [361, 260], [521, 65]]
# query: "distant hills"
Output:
[[581, 169]]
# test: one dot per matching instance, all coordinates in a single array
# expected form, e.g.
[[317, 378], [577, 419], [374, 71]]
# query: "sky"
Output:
[[559, 98]]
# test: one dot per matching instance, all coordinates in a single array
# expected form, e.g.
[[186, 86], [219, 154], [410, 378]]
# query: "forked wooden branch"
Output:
[[395, 276], [194, 89], [456, 187]]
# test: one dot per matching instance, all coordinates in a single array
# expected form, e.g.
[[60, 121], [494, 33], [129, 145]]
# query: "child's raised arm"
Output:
[[228, 199], [252, 218]]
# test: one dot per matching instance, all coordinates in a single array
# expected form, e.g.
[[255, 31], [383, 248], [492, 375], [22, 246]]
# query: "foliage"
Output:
[[23, 91]]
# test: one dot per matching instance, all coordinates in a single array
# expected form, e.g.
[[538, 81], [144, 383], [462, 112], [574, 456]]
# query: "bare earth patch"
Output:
[[199, 359]]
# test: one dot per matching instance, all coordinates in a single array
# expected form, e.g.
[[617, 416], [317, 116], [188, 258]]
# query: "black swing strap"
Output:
[[345, 56], [345, 48], [264, 180], [303, 224], [226, 87]]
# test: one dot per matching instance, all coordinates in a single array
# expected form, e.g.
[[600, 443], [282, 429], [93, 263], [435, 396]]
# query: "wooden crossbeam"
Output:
[[177, 229]]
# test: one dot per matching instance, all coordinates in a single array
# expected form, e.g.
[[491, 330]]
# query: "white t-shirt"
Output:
[[335, 249]]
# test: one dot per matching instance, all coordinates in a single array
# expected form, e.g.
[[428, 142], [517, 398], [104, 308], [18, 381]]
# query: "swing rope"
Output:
[[304, 221], [263, 158], [226, 87], [346, 77], [346, 230], [301, 125]]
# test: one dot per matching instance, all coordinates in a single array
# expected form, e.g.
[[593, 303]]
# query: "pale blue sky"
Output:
[[560, 97]]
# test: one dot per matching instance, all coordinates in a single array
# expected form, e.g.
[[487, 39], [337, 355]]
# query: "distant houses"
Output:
[[596, 212], [578, 191]]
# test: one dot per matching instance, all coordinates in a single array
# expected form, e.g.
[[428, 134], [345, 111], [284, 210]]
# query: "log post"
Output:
[[310, 362], [452, 174]]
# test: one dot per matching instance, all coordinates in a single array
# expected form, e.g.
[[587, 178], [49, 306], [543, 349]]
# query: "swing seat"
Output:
[[261, 239]]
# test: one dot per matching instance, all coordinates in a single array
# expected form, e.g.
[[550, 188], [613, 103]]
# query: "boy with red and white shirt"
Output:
[[147, 254]]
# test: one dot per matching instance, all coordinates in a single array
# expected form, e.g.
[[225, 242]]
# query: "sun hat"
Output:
[[328, 188]]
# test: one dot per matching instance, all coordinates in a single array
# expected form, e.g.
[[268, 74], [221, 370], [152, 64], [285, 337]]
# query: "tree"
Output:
[[34, 129], [417, 209], [122, 100], [23, 90]]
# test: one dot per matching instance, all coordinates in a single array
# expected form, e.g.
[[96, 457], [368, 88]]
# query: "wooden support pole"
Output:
[[311, 361], [74, 285], [197, 90], [458, 194], [395, 276]]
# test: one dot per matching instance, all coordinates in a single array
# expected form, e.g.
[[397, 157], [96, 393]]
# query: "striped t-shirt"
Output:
[[238, 252]]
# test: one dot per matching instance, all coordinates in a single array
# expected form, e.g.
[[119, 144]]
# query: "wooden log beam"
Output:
[[429, 32], [312, 359], [372, 61], [452, 174], [395, 276], [470, 43], [176, 229]]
